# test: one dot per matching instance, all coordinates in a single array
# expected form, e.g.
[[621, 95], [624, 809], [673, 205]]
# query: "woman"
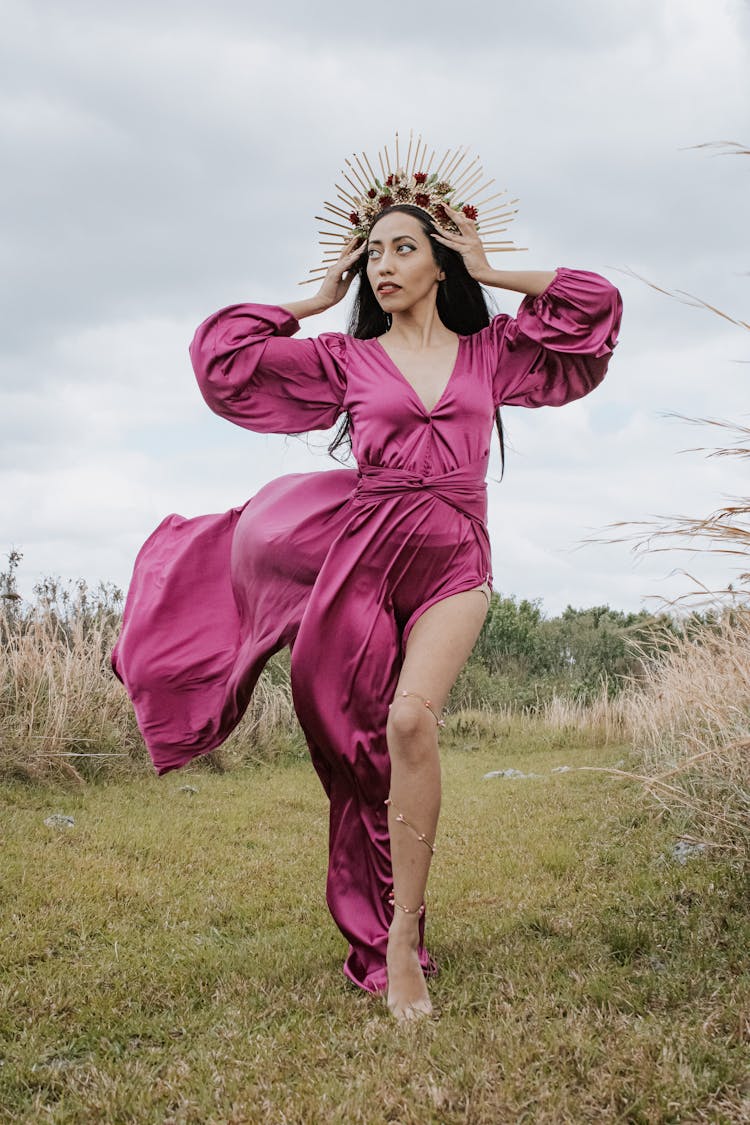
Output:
[[378, 578]]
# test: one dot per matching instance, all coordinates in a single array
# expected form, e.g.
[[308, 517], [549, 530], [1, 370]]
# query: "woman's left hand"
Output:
[[466, 242]]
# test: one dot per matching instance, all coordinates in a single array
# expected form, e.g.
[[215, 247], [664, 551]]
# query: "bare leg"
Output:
[[438, 647]]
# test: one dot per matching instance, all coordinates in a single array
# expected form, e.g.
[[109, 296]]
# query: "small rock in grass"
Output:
[[508, 773], [682, 851], [59, 820], [187, 789]]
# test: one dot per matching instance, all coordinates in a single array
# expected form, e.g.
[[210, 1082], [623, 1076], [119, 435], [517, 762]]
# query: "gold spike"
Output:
[[354, 186], [408, 153], [498, 213], [501, 208], [471, 188], [361, 186], [499, 216], [490, 228], [429, 162], [331, 222], [369, 166], [338, 215], [442, 162], [497, 195], [478, 192], [468, 174], [449, 172], [336, 210], [364, 174], [345, 194], [455, 158], [382, 165], [387, 159], [397, 156], [455, 164], [468, 185], [417, 159]]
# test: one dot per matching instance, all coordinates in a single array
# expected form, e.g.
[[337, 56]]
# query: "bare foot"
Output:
[[408, 998]]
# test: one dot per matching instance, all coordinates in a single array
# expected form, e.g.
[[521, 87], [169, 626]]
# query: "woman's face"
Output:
[[400, 265]]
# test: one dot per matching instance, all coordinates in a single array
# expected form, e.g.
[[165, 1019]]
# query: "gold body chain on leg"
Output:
[[427, 702], [401, 819]]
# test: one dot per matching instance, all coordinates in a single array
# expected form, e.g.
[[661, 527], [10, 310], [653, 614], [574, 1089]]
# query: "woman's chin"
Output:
[[393, 302]]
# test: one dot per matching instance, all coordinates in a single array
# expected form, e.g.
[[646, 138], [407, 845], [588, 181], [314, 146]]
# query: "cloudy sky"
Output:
[[161, 160]]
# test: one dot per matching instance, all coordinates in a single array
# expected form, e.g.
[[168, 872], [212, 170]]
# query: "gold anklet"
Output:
[[419, 911]]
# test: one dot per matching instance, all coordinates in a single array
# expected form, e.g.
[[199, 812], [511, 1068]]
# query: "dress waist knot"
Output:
[[463, 488]]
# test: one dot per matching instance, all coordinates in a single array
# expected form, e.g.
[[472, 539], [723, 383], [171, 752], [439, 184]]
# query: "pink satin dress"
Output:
[[339, 564]]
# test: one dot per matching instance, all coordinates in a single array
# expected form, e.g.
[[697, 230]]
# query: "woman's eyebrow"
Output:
[[397, 238]]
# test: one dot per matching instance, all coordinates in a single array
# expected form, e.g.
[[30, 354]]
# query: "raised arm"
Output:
[[252, 373], [558, 346]]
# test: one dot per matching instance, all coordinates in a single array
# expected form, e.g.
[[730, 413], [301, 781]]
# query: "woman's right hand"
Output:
[[341, 274], [335, 284]]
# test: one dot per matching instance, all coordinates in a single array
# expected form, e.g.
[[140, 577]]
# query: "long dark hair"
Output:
[[461, 305]]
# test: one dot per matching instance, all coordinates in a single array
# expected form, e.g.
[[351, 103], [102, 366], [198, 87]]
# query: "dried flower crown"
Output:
[[452, 184]]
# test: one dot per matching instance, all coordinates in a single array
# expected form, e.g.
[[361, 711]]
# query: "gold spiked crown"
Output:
[[453, 183]]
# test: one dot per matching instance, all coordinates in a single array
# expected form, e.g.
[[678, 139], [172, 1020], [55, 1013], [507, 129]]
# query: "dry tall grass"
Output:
[[63, 714], [601, 721], [689, 719], [690, 716], [60, 713]]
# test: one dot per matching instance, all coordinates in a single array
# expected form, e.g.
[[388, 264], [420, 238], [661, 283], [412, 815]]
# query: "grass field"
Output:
[[170, 958]]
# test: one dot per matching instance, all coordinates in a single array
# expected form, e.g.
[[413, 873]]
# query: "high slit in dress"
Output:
[[339, 564]]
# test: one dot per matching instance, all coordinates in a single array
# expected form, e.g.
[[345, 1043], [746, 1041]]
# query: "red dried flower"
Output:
[[389, 181], [420, 177], [385, 201], [422, 199], [469, 211], [441, 214], [372, 193], [354, 219]]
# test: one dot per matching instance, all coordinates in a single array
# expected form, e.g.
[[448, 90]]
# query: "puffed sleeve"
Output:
[[558, 346], [250, 372]]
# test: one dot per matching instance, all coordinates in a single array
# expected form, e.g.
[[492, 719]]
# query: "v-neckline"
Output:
[[411, 386]]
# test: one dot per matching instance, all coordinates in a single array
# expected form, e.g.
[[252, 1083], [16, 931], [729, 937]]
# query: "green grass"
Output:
[[171, 958]]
